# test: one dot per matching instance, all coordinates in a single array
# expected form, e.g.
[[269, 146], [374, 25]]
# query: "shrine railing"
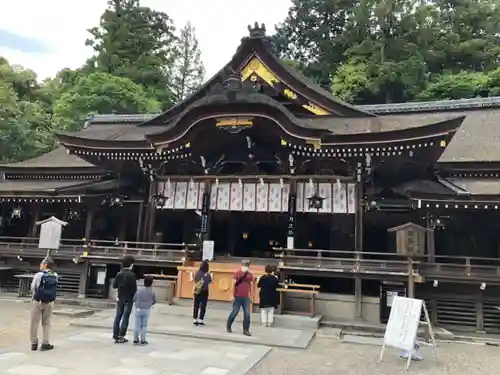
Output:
[[341, 261], [26, 246], [100, 249], [146, 251]]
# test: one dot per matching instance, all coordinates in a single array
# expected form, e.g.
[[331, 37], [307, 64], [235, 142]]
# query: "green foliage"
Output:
[[99, 93], [139, 66], [188, 71], [381, 51], [137, 43], [456, 86]]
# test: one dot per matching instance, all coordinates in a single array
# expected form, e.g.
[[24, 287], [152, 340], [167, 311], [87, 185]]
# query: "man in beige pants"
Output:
[[44, 288]]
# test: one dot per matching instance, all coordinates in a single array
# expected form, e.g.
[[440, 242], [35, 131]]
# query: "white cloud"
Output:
[[63, 24]]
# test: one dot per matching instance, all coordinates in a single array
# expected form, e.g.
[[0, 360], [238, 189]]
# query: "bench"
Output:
[[306, 289], [170, 281]]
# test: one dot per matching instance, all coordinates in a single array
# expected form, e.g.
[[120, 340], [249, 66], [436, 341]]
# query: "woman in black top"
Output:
[[269, 296], [202, 280]]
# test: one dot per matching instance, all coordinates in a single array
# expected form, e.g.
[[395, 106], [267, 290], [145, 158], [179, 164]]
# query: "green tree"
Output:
[[456, 86], [468, 38], [100, 93], [313, 36], [188, 72], [137, 43], [25, 126]]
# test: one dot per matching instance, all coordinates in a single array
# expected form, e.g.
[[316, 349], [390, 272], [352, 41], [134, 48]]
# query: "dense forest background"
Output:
[[363, 51]]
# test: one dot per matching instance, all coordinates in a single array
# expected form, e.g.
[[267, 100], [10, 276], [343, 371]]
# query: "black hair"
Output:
[[127, 261], [49, 263], [269, 269], [204, 266], [148, 281]]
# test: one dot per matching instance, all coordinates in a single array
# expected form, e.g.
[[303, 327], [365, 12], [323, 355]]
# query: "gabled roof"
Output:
[[257, 49]]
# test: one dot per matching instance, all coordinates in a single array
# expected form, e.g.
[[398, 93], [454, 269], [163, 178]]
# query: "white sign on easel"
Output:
[[402, 327], [208, 250], [50, 233]]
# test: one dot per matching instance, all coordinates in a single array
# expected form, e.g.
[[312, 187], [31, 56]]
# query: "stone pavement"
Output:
[[93, 351], [166, 324], [14, 323]]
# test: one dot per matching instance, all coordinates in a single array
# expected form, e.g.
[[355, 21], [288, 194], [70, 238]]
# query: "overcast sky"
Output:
[[49, 35]]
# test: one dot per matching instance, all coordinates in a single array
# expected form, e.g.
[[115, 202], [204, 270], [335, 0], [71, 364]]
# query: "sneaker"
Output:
[[247, 333], [229, 330], [121, 340], [144, 342], [201, 323], [136, 342], [34, 346], [195, 322], [46, 346], [268, 324]]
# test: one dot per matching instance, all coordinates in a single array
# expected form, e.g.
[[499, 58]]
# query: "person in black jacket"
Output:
[[202, 281], [126, 284], [269, 296]]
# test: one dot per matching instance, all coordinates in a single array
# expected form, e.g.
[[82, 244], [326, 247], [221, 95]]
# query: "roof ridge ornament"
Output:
[[257, 31]]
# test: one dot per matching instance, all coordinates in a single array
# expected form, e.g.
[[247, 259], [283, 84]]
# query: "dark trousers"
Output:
[[200, 305], [120, 325], [238, 303]]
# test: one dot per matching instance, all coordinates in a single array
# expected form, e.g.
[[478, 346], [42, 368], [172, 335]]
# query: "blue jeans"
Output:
[[120, 325], [237, 304], [141, 324]]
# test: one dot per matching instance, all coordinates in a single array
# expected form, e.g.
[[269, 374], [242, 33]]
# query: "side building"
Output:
[[269, 166]]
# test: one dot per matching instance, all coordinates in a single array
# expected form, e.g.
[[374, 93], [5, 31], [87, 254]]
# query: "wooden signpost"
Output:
[[50, 234], [402, 327]]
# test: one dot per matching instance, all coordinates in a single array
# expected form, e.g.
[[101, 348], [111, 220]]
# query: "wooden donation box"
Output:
[[222, 276], [410, 239]]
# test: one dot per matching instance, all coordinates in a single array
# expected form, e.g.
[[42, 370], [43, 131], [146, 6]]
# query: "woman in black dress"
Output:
[[269, 296]]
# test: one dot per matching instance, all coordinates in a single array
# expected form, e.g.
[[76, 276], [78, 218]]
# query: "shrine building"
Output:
[[353, 203]]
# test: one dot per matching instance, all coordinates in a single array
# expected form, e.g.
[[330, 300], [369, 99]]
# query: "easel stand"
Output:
[[401, 320]]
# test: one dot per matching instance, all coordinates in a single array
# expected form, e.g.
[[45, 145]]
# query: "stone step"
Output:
[[179, 326]]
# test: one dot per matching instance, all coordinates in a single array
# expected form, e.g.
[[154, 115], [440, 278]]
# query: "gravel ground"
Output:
[[15, 320], [323, 357], [330, 357]]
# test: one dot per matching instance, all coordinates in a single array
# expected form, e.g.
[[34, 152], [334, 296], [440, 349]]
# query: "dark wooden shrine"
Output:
[[269, 165]]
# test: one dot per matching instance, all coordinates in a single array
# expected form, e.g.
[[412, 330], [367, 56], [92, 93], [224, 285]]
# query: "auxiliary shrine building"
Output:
[[354, 204]]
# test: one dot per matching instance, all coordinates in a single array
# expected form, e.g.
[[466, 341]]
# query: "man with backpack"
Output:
[[242, 287], [44, 288]]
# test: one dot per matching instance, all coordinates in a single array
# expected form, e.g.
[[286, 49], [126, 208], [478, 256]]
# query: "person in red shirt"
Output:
[[242, 285]]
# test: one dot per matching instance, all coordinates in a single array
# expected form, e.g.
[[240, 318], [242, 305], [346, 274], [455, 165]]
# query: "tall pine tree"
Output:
[[137, 43], [188, 72]]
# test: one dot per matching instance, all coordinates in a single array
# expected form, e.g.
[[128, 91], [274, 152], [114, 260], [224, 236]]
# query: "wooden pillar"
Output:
[[140, 219], [292, 211], [429, 236], [36, 217], [149, 221], [84, 275], [88, 224], [358, 242], [358, 298], [358, 217], [205, 213], [411, 280]]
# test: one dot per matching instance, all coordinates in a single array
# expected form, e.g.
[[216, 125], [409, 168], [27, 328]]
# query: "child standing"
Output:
[[144, 299], [269, 297]]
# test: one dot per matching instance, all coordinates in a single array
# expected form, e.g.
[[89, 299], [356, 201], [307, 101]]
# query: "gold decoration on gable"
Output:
[[289, 94], [316, 109], [255, 67]]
